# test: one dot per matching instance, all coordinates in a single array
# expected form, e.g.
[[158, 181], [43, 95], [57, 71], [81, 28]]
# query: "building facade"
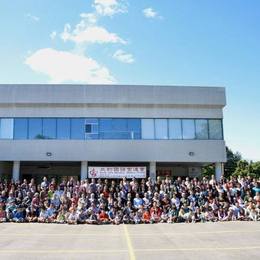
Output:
[[66, 130]]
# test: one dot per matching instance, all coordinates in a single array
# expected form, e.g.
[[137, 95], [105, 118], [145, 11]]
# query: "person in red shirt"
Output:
[[155, 212], [146, 217], [103, 217]]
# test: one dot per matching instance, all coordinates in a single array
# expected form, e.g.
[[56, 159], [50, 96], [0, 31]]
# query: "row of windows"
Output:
[[201, 129], [110, 128]]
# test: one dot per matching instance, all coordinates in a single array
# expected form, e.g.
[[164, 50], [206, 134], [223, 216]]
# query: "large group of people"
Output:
[[135, 201]]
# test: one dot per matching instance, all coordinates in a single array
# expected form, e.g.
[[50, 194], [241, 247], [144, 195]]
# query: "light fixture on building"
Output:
[[48, 154], [191, 153]]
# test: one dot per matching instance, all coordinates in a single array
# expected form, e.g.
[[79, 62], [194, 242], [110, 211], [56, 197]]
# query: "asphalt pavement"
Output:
[[228, 240]]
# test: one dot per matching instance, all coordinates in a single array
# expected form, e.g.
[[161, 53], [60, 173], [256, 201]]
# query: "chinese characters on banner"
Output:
[[116, 172]]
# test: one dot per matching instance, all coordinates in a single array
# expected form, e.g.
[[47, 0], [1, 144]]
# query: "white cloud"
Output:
[[53, 35], [123, 56], [150, 13], [109, 7], [85, 33], [33, 17], [63, 66], [89, 17]]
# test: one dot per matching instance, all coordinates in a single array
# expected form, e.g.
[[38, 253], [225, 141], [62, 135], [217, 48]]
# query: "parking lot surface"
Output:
[[240, 240]]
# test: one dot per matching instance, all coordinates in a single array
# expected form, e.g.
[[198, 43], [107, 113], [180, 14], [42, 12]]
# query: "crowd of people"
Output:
[[133, 201]]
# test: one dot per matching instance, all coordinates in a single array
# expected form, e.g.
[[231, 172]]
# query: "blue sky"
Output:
[[165, 42]]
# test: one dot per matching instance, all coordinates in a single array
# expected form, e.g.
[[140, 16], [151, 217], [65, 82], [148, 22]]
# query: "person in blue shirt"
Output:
[[138, 202], [19, 214]]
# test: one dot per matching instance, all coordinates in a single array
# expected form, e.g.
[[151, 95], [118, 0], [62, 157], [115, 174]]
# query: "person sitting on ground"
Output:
[[103, 217], [72, 217], [92, 219], [51, 213], [146, 216]]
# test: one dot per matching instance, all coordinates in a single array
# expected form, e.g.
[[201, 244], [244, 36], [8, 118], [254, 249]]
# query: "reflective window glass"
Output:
[[78, 128], [201, 129], [119, 124], [175, 131], [147, 129], [63, 128], [134, 128], [105, 125], [215, 129], [20, 128], [115, 128], [119, 128], [161, 129], [188, 129], [35, 128], [49, 128], [6, 128]]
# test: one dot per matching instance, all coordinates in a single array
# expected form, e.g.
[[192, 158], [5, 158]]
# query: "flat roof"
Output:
[[15, 94]]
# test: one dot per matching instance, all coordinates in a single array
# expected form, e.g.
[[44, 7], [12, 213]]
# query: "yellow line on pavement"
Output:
[[129, 244]]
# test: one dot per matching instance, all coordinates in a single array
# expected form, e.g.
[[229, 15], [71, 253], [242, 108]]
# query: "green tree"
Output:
[[232, 161], [208, 170], [255, 169], [242, 169]]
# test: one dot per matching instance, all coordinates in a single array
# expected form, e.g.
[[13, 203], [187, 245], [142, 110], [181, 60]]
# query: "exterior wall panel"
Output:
[[103, 111], [114, 150]]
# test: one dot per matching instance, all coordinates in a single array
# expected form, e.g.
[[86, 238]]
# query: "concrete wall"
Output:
[[116, 111], [114, 150], [111, 101], [111, 94]]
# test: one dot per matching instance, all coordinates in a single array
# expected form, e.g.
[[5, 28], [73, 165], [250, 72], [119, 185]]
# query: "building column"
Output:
[[16, 170], [152, 171], [84, 170], [219, 170]]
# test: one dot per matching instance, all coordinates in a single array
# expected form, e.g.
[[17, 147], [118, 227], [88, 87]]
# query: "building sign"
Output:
[[116, 172]]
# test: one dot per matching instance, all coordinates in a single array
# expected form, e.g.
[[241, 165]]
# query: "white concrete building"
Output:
[[62, 130]]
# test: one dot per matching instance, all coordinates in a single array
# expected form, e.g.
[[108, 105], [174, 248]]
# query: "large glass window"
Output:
[[6, 128], [134, 128], [147, 129], [35, 128], [202, 129], [215, 129], [49, 128], [110, 128], [175, 131], [115, 128], [188, 129], [105, 128], [119, 128], [63, 128], [78, 128], [20, 128], [161, 129]]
